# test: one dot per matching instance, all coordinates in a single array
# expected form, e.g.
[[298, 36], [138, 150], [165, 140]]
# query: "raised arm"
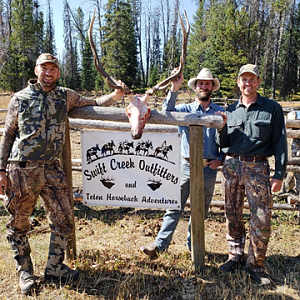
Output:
[[76, 100]]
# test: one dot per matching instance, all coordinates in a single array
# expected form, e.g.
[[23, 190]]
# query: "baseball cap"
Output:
[[47, 57], [249, 68]]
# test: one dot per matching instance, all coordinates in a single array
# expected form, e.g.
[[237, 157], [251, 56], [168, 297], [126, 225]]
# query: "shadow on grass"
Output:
[[107, 276], [109, 215]]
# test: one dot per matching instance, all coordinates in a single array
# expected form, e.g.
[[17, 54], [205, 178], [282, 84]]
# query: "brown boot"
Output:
[[151, 250], [230, 266], [24, 267], [260, 278]]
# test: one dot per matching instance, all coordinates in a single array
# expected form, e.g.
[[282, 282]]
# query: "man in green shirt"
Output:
[[254, 130]]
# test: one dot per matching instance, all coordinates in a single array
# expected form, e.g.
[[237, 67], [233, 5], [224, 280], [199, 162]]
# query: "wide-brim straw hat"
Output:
[[205, 74]]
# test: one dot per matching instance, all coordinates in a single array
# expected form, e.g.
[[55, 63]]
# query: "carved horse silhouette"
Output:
[[91, 154], [120, 148], [143, 146], [108, 148], [127, 145], [164, 149]]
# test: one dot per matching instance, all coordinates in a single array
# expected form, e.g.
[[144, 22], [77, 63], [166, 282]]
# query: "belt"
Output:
[[28, 163], [204, 160], [248, 158]]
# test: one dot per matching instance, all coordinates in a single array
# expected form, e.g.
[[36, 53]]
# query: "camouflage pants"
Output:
[[252, 179], [26, 184]]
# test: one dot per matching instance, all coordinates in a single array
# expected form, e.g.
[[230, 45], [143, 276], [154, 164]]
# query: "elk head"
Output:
[[138, 110]]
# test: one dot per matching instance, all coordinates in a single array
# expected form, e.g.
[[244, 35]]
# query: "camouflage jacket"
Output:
[[35, 122]]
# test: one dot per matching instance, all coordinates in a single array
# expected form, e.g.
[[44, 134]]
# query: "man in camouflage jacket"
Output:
[[30, 148]]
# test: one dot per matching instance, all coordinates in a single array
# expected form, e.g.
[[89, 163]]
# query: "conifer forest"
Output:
[[140, 43]]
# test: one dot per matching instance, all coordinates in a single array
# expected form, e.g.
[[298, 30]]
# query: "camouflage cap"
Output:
[[47, 57], [249, 68]]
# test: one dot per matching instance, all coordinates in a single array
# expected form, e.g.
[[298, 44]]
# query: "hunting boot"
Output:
[[24, 267], [55, 269]]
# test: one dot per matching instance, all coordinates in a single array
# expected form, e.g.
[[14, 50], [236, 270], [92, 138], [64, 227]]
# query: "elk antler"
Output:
[[138, 110], [185, 34], [110, 81]]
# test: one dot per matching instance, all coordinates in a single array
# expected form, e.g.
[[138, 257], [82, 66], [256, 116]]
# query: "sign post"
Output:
[[197, 196], [67, 166]]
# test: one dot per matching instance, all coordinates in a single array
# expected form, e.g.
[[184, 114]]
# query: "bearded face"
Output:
[[203, 95], [204, 89], [47, 74]]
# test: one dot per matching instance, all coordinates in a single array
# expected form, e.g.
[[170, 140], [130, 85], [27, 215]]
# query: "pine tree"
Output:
[[230, 38], [120, 43], [197, 43], [79, 27], [4, 43], [88, 70], [290, 51], [154, 76], [25, 28], [155, 59], [70, 60], [49, 39], [171, 56], [136, 6], [172, 50]]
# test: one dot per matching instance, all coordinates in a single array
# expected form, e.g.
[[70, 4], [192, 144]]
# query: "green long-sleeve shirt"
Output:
[[256, 130]]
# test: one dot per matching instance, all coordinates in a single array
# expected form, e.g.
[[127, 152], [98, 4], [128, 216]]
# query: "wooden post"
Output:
[[197, 196], [67, 166]]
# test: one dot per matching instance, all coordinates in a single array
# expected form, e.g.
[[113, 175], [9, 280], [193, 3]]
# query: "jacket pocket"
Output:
[[234, 125], [260, 129]]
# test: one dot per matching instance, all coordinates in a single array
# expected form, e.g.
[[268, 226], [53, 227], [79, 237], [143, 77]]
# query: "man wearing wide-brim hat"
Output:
[[203, 85], [205, 74]]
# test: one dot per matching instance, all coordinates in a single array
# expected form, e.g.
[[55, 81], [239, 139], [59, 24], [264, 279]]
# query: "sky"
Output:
[[88, 8]]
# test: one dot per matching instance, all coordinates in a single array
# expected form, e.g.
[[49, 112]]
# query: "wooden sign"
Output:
[[120, 171]]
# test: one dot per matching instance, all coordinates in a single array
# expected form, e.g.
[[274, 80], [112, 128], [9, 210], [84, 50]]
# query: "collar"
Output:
[[258, 101], [211, 105], [35, 85]]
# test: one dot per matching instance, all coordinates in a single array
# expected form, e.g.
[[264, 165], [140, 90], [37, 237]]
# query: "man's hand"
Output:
[[214, 164], [276, 185], [225, 118], [177, 82], [3, 183], [118, 93]]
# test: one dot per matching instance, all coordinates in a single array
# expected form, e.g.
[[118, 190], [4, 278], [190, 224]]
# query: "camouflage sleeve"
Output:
[[10, 131], [106, 100], [75, 100]]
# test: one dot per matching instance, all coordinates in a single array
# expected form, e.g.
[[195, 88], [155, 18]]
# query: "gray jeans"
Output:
[[171, 217]]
